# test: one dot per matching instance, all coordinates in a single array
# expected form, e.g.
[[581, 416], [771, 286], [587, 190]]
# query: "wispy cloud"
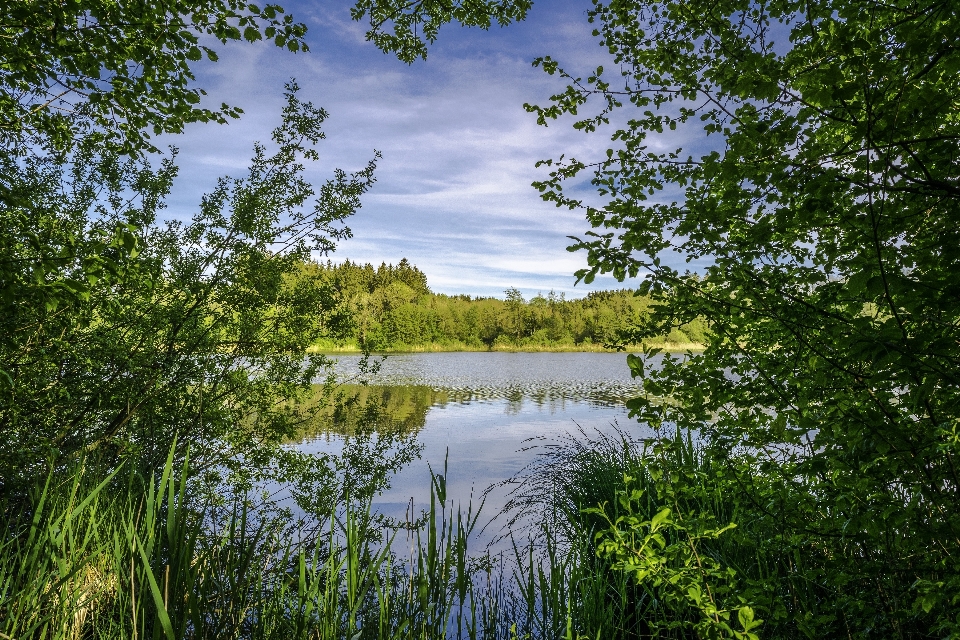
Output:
[[453, 193]]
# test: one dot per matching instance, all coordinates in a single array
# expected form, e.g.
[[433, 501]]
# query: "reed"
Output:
[[134, 556], [594, 494]]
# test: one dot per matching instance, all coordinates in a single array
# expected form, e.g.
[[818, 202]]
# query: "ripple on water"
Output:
[[596, 378]]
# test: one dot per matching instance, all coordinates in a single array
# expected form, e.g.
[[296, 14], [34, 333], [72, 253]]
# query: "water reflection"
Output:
[[478, 411], [596, 378], [395, 409]]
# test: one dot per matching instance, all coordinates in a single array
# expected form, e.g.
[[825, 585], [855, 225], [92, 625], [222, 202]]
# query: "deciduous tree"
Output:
[[195, 335], [814, 169], [121, 71]]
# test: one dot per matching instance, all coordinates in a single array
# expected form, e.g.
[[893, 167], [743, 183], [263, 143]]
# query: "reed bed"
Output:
[[135, 556], [600, 495], [129, 556]]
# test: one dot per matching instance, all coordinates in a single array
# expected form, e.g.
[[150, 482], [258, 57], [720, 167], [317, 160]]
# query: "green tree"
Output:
[[94, 72], [820, 183], [516, 312], [196, 335], [121, 71]]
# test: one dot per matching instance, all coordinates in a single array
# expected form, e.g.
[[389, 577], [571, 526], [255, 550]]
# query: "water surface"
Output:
[[488, 414], [598, 378]]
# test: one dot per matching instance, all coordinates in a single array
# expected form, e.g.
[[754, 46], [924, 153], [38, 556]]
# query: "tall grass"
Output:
[[129, 556], [134, 556], [575, 472], [600, 495]]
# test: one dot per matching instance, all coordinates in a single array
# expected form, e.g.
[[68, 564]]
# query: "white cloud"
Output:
[[453, 192]]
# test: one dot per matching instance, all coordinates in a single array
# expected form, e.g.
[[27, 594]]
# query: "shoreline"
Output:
[[668, 347]]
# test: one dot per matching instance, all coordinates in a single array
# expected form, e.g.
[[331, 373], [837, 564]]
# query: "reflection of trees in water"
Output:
[[377, 427], [514, 400], [401, 409], [394, 409]]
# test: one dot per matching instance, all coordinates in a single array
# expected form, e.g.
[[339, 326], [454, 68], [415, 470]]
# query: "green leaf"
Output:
[[158, 602], [660, 519]]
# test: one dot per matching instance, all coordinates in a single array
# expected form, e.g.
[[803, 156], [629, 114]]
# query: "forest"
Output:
[[391, 308]]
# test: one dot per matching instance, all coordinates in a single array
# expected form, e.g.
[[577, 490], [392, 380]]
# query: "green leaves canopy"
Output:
[[406, 28], [814, 169], [122, 67], [196, 331]]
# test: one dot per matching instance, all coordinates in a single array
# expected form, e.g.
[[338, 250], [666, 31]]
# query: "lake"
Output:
[[489, 414]]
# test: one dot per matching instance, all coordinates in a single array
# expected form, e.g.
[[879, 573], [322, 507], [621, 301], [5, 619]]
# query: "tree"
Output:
[[196, 337], [96, 73], [117, 70], [516, 311], [816, 173]]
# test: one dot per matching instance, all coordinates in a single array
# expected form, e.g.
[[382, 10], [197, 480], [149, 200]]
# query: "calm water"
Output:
[[489, 414], [596, 378]]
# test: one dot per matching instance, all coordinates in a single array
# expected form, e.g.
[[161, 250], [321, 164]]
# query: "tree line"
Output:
[[391, 307]]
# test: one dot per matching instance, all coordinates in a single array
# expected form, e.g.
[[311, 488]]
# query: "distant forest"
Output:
[[391, 308]]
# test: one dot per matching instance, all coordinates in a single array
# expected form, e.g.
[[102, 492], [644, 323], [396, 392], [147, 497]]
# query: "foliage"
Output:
[[352, 278], [662, 555], [818, 183], [813, 171], [117, 71], [657, 532], [392, 308], [194, 332], [406, 28], [609, 489]]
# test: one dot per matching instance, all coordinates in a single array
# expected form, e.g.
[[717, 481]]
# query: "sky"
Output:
[[453, 192]]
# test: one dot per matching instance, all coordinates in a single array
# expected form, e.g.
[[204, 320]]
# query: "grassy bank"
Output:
[[629, 541], [448, 347]]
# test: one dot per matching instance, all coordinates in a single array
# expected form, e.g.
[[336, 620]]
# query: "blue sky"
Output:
[[453, 190]]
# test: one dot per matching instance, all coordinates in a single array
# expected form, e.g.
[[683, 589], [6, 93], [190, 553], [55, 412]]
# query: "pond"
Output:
[[488, 415]]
